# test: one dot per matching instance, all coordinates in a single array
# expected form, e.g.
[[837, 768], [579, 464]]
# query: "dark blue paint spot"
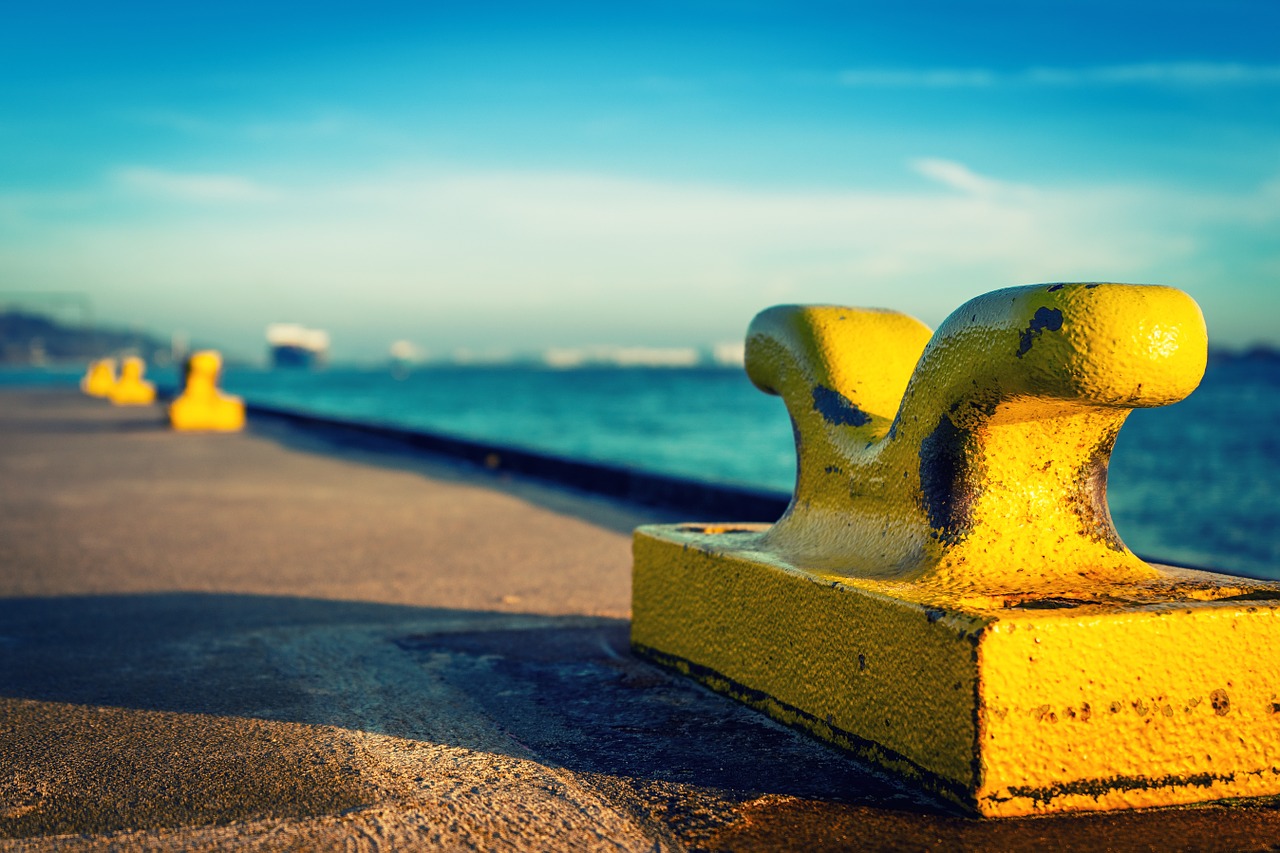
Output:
[[1091, 286], [836, 409], [1045, 318], [945, 488], [1054, 287]]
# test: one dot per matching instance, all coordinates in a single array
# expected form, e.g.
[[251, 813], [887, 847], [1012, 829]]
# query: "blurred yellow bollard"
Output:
[[946, 594], [99, 378], [131, 389], [201, 406]]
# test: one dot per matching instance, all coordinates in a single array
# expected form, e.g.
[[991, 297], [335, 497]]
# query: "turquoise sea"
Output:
[[1196, 483]]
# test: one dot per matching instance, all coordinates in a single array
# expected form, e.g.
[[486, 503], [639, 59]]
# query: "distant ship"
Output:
[[292, 345]]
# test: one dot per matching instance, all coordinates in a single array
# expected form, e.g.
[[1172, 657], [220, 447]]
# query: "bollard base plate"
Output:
[[1008, 705]]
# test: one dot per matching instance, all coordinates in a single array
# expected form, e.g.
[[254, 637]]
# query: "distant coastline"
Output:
[[34, 340], [29, 339]]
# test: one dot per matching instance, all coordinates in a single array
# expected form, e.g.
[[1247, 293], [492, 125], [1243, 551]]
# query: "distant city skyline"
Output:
[[576, 176]]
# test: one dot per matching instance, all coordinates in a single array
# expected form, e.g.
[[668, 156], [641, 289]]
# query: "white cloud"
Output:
[[1172, 74], [935, 78], [542, 259], [957, 176], [199, 188]]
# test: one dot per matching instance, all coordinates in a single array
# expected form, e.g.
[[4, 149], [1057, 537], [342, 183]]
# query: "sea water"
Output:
[[1194, 483]]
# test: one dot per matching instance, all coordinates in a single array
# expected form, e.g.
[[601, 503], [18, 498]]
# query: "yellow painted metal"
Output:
[[131, 389], [201, 406], [946, 594], [99, 378], [959, 473]]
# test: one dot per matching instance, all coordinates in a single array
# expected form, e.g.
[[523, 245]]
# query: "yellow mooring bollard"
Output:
[[131, 389], [946, 594], [99, 378], [201, 406]]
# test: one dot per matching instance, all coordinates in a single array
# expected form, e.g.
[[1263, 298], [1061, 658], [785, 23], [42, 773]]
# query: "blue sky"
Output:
[[516, 176]]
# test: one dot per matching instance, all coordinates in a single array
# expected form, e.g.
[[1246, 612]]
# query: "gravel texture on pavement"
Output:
[[276, 640]]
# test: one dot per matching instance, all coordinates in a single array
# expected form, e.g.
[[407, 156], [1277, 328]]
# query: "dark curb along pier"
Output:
[[313, 634]]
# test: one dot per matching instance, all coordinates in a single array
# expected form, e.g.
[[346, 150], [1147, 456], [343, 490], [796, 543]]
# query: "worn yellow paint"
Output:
[[131, 389], [962, 473], [1123, 706], [201, 406], [946, 594], [1020, 706], [99, 378]]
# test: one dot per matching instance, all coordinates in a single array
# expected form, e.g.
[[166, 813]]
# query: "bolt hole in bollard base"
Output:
[[946, 595]]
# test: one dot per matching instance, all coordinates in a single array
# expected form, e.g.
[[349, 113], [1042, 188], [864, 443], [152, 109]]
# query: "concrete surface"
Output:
[[271, 641]]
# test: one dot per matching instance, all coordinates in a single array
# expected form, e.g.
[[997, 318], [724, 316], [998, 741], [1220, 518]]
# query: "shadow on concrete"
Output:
[[565, 689], [694, 766]]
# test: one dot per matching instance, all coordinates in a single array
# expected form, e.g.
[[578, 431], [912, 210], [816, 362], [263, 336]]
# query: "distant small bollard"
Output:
[[201, 406], [131, 389], [946, 594], [99, 378]]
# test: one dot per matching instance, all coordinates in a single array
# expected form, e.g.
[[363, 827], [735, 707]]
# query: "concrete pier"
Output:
[[270, 640]]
